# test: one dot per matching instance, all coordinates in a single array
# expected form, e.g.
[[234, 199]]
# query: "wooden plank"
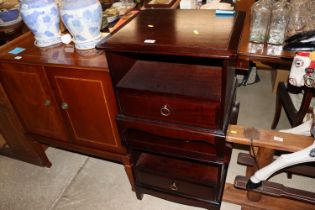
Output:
[[276, 190], [266, 138], [236, 196]]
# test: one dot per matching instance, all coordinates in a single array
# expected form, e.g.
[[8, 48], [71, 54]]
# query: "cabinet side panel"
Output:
[[228, 92]]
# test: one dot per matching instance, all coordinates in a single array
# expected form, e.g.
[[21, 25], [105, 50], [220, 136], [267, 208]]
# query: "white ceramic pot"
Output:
[[42, 18], [83, 19]]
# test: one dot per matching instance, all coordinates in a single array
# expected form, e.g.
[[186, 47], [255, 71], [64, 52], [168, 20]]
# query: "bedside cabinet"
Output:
[[173, 74]]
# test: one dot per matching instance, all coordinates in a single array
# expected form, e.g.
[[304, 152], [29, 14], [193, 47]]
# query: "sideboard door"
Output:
[[31, 96], [87, 100], [13, 142]]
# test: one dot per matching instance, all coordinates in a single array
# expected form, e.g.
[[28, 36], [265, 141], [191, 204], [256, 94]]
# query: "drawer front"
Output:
[[169, 108], [176, 186]]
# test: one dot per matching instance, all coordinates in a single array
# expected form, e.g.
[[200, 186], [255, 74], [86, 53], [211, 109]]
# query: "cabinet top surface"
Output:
[[57, 55], [187, 32]]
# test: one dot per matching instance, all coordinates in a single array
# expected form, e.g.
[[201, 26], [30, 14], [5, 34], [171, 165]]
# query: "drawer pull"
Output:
[[64, 106], [47, 102], [173, 186], [165, 111]]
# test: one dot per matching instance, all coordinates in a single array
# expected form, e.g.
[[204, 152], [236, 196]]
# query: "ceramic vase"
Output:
[[42, 18], [83, 19]]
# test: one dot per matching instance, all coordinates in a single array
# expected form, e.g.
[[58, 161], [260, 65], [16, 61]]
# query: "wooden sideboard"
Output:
[[62, 97], [175, 88]]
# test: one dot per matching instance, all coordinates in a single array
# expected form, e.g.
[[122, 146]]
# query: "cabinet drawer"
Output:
[[176, 186], [169, 108], [178, 176], [172, 92]]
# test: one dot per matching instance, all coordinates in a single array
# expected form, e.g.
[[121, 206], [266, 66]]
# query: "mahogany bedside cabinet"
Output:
[[174, 80]]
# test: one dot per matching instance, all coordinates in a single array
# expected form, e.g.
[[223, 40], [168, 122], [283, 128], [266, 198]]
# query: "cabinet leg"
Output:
[[128, 168], [139, 195]]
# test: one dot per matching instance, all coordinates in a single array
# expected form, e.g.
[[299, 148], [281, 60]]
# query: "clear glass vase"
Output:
[[299, 17], [260, 18], [279, 22]]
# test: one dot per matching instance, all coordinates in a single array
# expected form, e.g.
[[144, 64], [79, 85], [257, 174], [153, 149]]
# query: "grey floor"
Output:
[[79, 182]]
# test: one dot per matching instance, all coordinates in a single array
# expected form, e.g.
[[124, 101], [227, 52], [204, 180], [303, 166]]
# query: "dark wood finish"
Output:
[[238, 196], [172, 78], [13, 142], [198, 150], [174, 186], [179, 199], [178, 169], [143, 93], [42, 79], [283, 99], [176, 97], [277, 190], [178, 34]]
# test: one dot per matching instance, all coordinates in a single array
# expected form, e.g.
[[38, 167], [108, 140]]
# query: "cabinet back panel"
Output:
[[193, 149], [199, 81]]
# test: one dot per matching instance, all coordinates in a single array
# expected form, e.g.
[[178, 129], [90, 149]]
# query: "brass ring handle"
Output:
[[173, 186], [47, 102], [165, 111], [64, 106]]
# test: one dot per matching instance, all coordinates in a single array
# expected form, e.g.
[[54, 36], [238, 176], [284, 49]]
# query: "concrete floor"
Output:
[[80, 182]]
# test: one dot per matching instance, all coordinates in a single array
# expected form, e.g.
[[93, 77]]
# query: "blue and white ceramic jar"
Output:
[[42, 18], [83, 19]]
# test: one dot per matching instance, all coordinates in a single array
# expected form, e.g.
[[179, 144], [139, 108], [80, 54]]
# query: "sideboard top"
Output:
[[59, 55], [199, 33]]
